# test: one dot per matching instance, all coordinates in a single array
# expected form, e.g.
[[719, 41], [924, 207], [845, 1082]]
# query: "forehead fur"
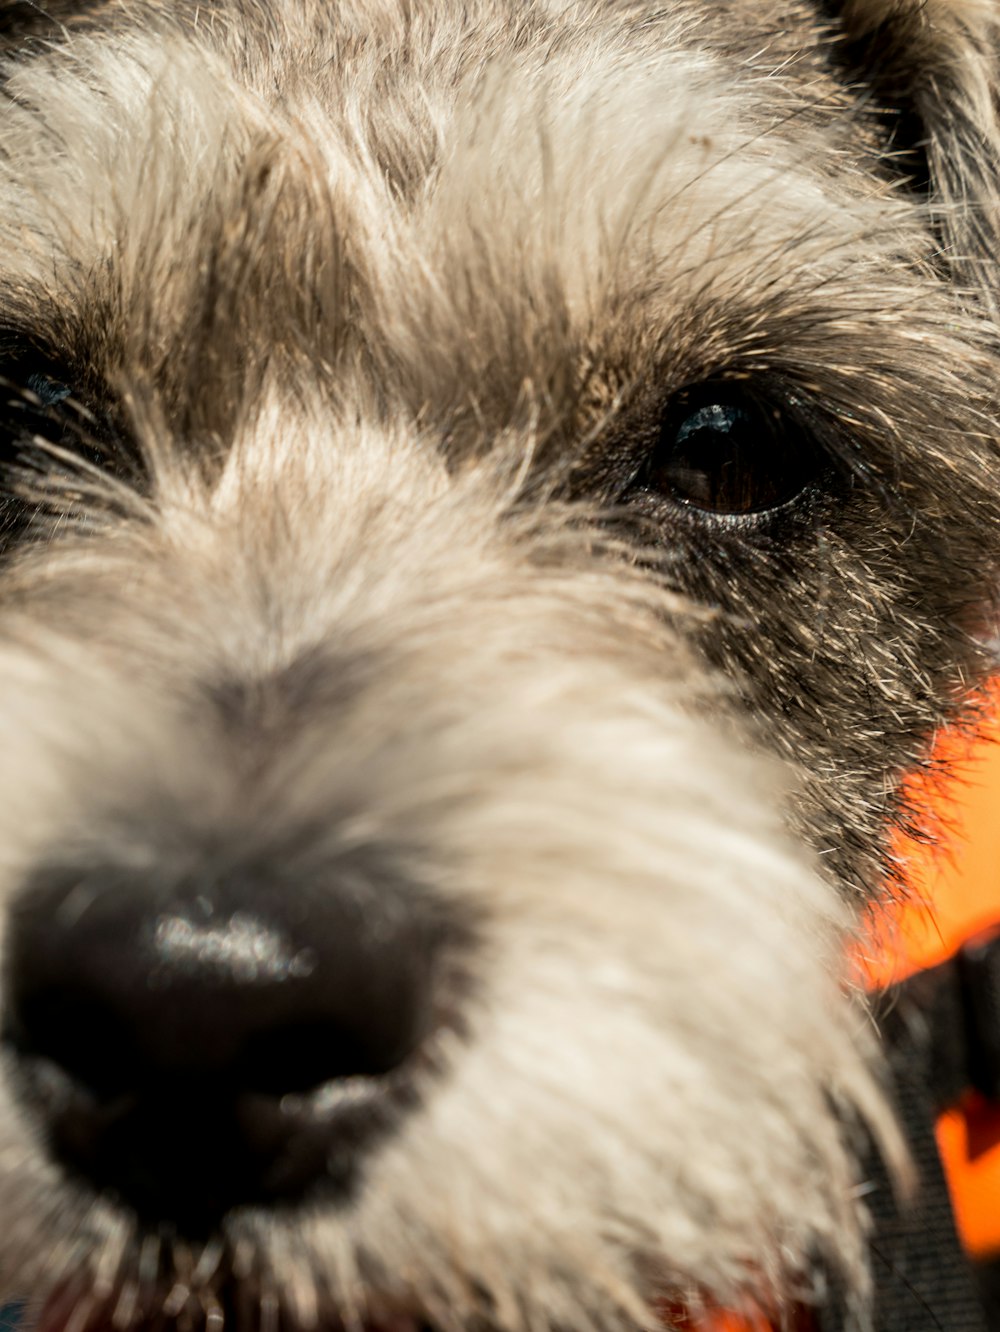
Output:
[[478, 215]]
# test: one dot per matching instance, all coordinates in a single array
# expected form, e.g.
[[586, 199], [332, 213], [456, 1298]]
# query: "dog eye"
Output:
[[47, 428], [723, 449], [44, 402], [47, 390], [35, 402]]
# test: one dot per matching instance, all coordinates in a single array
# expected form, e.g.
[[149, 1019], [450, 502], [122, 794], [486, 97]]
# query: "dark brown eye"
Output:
[[33, 402], [57, 435], [43, 402], [723, 449]]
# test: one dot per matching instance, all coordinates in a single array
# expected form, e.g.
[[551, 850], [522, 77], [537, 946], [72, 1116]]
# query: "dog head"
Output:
[[495, 497]]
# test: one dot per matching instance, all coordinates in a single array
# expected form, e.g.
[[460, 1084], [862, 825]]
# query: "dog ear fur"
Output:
[[936, 63]]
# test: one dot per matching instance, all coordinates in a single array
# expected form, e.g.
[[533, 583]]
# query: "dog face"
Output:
[[452, 457]]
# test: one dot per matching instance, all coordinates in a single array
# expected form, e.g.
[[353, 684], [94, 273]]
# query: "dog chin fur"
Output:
[[380, 298]]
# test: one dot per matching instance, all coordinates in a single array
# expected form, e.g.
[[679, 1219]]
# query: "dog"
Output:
[[496, 496]]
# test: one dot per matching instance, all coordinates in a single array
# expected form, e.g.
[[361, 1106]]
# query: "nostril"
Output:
[[186, 1035], [99, 1049], [80, 1035]]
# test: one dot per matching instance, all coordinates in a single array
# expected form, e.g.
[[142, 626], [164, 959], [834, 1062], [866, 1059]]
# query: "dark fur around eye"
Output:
[[724, 449]]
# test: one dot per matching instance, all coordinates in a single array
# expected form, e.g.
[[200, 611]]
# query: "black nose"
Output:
[[197, 1041]]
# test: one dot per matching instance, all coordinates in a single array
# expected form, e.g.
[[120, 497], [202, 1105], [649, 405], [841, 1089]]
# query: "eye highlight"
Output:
[[47, 390], [723, 448]]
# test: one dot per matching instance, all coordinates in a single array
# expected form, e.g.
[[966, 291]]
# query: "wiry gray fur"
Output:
[[387, 301]]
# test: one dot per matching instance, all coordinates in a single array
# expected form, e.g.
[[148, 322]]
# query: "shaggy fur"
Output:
[[346, 550]]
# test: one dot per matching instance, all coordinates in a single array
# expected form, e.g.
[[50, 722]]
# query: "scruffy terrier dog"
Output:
[[495, 494]]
